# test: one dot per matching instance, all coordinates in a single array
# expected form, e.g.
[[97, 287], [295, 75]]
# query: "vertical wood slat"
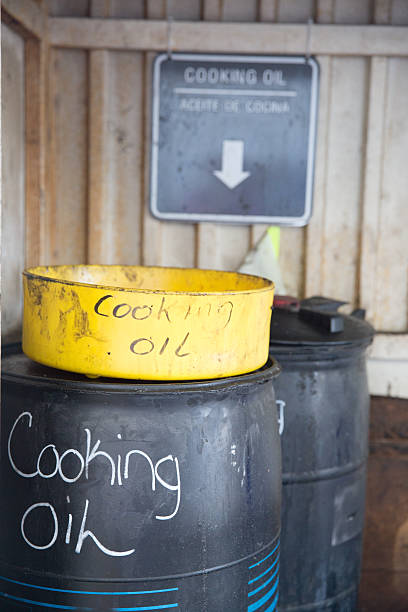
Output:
[[344, 176], [382, 12], [115, 124], [295, 11], [239, 10], [35, 58], [350, 11], [372, 184], [100, 183], [68, 8], [125, 127], [313, 284], [399, 12], [12, 153], [268, 10], [292, 241], [314, 231], [391, 312], [212, 10], [324, 11], [67, 165], [152, 227]]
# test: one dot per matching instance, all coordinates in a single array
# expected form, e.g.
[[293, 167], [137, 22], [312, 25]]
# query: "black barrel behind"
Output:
[[138, 496], [323, 398]]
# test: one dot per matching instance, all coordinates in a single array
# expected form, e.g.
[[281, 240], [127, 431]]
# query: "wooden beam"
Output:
[[27, 14], [228, 37]]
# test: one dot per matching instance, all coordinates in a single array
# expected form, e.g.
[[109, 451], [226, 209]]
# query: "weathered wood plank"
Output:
[[382, 11], [228, 37], [391, 308], [295, 11], [115, 172], [344, 176], [183, 9], [100, 182], [352, 12], [12, 119], [324, 11], [67, 215], [315, 229], [399, 12], [292, 239], [268, 10], [35, 149], [373, 176], [239, 10], [125, 126], [69, 8], [152, 227], [125, 9], [28, 15]]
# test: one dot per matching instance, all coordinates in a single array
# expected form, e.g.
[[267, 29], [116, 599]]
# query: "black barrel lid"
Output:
[[316, 322], [19, 368]]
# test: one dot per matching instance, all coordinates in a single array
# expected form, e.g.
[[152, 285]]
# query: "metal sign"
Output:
[[233, 138]]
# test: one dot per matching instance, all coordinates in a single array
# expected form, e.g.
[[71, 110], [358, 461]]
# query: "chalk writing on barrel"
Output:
[[118, 470]]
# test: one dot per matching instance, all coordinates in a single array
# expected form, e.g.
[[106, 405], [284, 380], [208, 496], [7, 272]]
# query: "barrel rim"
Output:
[[30, 273], [270, 370]]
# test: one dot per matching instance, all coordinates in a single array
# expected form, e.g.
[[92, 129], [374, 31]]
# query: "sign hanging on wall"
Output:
[[233, 138]]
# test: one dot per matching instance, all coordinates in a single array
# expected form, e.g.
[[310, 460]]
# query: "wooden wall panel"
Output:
[[399, 12], [392, 246], [352, 12], [68, 157], [314, 230], [344, 175], [124, 9], [13, 228], [69, 8], [295, 11], [115, 187]]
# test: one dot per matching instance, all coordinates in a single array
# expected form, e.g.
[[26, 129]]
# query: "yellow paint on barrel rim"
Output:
[[146, 323]]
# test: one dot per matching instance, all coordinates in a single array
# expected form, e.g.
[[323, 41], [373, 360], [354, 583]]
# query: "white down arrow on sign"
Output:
[[232, 173]]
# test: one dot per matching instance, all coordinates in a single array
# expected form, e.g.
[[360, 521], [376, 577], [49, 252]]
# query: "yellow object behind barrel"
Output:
[[147, 323]]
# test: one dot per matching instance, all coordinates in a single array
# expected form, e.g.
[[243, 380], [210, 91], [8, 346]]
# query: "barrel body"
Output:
[[324, 404], [122, 496]]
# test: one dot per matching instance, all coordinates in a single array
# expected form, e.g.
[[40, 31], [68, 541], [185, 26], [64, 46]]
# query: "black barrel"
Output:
[[323, 398], [138, 496]]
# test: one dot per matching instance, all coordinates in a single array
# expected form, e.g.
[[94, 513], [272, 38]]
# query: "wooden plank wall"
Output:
[[99, 147], [13, 201]]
